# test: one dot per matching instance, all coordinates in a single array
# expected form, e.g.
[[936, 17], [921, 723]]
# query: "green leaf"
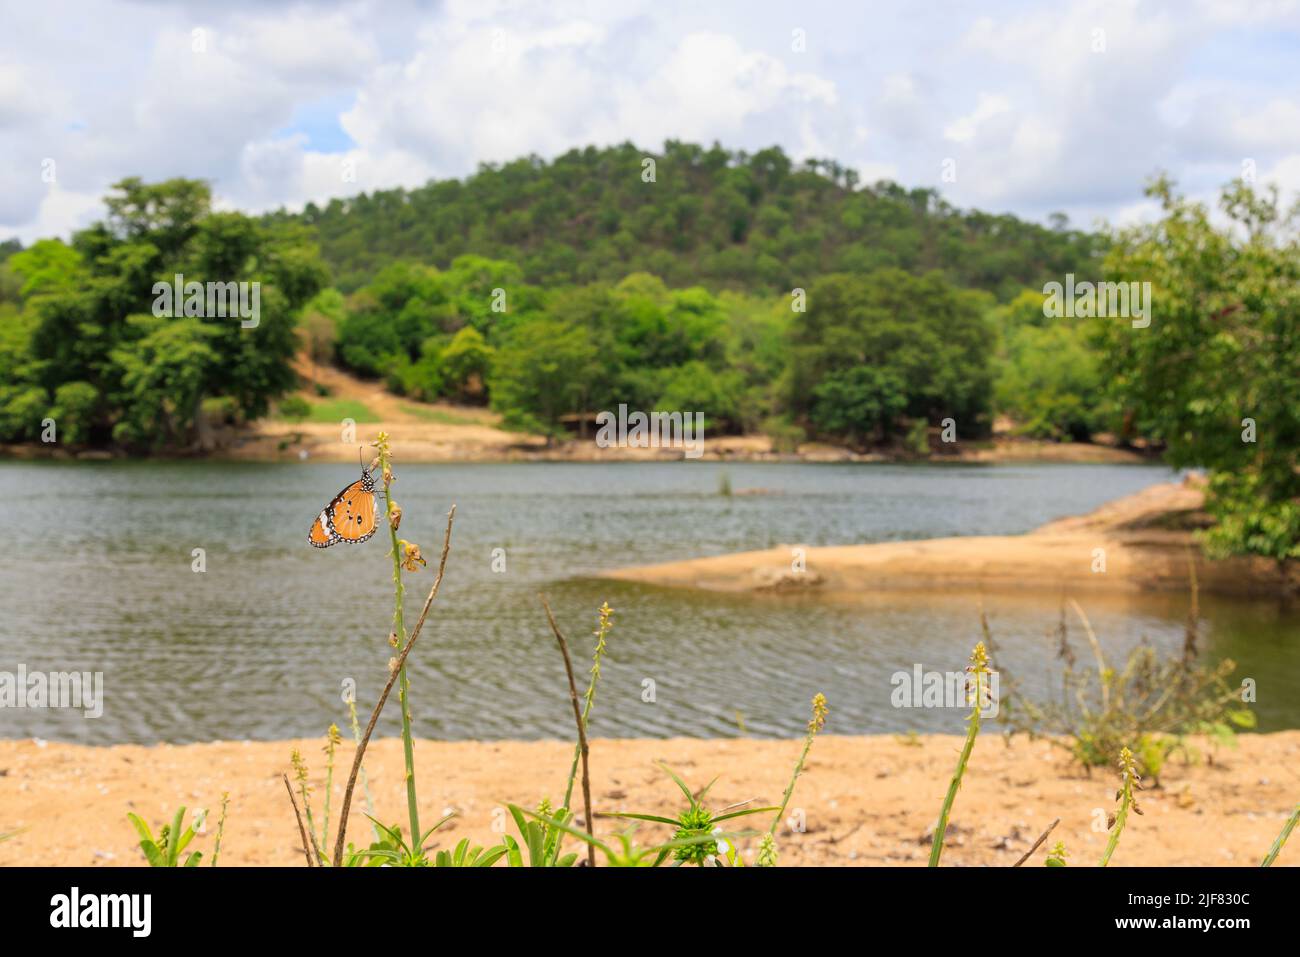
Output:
[[512, 849], [520, 821], [752, 810], [644, 817], [435, 827], [568, 829], [492, 855], [535, 837], [153, 854], [681, 784], [184, 840], [172, 845], [141, 828], [1243, 718]]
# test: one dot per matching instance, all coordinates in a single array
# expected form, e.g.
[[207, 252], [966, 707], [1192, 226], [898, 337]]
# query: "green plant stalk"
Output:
[[1125, 803], [1121, 818], [583, 748], [329, 789], [365, 780], [394, 667], [1287, 828], [221, 827], [972, 732], [588, 701], [936, 848], [404, 686], [815, 725], [306, 808], [789, 788]]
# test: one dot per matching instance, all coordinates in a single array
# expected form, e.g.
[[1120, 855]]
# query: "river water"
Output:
[[97, 574]]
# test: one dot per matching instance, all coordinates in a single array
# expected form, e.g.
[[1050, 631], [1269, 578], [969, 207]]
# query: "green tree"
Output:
[[465, 363], [928, 336], [860, 404], [1049, 383], [89, 327], [724, 219], [74, 410], [162, 380], [318, 326], [542, 373], [1214, 374], [695, 387]]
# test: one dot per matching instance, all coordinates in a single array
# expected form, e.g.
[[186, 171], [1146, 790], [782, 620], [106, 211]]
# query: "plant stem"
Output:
[[404, 684], [221, 828], [1287, 828], [306, 807], [936, 848], [1128, 776], [1038, 843], [383, 695], [979, 668], [365, 779], [590, 697], [331, 736], [580, 719], [1121, 818], [815, 725], [302, 830]]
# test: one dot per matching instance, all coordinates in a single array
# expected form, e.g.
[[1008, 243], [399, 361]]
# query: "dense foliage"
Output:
[[1048, 381], [82, 344], [1215, 375], [872, 348], [736, 220]]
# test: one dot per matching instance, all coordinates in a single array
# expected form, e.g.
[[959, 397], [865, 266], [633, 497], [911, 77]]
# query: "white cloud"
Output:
[[18, 101], [963, 130], [305, 102]]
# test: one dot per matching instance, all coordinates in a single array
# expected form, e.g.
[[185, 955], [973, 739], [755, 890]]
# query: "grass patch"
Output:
[[336, 410], [427, 413]]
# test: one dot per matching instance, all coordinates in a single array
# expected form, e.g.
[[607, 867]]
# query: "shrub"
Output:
[[1152, 704], [74, 410], [294, 408]]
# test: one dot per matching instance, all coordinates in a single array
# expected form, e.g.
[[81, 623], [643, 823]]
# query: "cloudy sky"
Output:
[[1039, 107]]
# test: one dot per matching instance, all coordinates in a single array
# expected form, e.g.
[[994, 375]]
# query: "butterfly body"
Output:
[[349, 517]]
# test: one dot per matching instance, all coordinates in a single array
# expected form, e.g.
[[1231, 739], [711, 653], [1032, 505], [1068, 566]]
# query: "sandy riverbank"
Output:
[[867, 800], [1146, 541]]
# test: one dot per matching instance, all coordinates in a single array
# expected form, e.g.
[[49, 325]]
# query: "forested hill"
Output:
[[757, 222]]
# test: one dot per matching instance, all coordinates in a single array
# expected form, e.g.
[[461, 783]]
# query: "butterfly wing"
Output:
[[322, 534], [352, 513], [349, 517]]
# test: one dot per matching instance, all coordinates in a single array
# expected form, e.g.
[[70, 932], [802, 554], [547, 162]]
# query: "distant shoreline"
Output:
[[313, 442]]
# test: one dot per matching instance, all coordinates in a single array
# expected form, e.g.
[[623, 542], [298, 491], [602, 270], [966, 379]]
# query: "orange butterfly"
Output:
[[349, 517]]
